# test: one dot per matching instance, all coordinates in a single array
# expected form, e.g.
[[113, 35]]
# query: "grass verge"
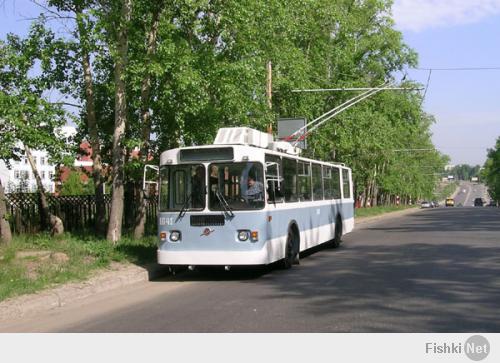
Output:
[[34, 262], [445, 191], [375, 211]]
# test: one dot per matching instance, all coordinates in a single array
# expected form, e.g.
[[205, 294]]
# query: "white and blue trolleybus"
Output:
[[248, 200]]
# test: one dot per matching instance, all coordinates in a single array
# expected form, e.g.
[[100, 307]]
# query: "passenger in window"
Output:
[[255, 191]]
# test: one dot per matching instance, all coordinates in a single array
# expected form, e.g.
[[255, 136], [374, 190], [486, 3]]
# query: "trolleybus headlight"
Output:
[[243, 235], [175, 236]]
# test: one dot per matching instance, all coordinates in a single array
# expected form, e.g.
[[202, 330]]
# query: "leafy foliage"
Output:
[[491, 172], [75, 185], [29, 69], [207, 70]]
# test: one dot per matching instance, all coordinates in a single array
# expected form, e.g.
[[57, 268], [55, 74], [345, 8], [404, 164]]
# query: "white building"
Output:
[[20, 178]]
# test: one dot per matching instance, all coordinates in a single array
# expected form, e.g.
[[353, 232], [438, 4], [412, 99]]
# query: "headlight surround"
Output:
[[175, 236], [243, 235], [247, 235]]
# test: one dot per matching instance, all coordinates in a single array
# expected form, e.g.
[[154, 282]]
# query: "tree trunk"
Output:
[[140, 215], [5, 233], [97, 168], [116, 214], [48, 219], [368, 195]]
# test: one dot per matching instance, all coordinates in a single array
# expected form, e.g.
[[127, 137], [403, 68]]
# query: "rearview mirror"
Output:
[[151, 179]]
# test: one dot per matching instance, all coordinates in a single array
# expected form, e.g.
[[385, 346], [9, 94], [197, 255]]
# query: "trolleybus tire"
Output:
[[337, 240], [291, 251]]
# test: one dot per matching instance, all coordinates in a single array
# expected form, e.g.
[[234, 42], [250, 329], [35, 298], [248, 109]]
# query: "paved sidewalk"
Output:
[[114, 277]]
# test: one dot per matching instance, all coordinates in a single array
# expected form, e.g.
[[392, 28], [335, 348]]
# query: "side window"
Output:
[[346, 185], [327, 182], [304, 178], [290, 180], [317, 182], [336, 183], [274, 179]]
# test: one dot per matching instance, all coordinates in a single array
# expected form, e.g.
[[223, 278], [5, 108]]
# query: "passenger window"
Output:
[[304, 179], [327, 182], [335, 183], [346, 185], [317, 182], [290, 180], [274, 179]]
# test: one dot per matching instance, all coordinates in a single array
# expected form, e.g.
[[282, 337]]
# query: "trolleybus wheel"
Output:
[[338, 233], [291, 252]]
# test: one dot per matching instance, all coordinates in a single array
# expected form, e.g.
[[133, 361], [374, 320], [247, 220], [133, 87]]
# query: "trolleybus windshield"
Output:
[[182, 187], [241, 186]]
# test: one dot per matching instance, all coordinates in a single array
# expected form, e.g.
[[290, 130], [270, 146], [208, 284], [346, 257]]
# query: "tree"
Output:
[[5, 233], [120, 51], [145, 113], [29, 69], [491, 172], [85, 46], [74, 185]]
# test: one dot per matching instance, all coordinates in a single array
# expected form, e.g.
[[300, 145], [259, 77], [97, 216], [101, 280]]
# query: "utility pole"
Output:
[[269, 92], [269, 85]]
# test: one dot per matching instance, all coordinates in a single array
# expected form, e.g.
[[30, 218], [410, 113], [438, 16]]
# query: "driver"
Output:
[[255, 189]]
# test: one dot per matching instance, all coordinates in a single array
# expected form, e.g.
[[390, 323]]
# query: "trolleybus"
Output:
[[248, 200]]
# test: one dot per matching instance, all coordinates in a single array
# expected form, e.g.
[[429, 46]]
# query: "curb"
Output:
[[115, 277]]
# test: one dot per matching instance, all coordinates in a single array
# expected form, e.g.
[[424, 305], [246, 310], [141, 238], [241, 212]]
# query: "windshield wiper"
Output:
[[223, 202], [184, 207]]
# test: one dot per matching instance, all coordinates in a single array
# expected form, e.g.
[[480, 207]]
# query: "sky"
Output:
[[466, 104], [445, 34]]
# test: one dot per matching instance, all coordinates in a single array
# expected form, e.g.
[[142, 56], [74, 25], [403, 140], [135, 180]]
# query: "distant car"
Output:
[[435, 204], [492, 203], [478, 202], [425, 204], [450, 202]]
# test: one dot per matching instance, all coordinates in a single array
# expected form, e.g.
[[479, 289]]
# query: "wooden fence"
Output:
[[77, 212]]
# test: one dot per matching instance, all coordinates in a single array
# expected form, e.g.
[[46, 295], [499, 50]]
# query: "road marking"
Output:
[[468, 195]]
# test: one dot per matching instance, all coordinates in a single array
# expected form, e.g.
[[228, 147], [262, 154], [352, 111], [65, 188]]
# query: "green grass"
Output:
[[374, 211], [86, 254]]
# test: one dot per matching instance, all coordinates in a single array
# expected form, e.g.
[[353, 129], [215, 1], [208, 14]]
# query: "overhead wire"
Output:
[[459, 69]]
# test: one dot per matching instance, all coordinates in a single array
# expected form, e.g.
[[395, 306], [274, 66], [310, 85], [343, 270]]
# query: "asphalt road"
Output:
[[470, 191], [436, 270]]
